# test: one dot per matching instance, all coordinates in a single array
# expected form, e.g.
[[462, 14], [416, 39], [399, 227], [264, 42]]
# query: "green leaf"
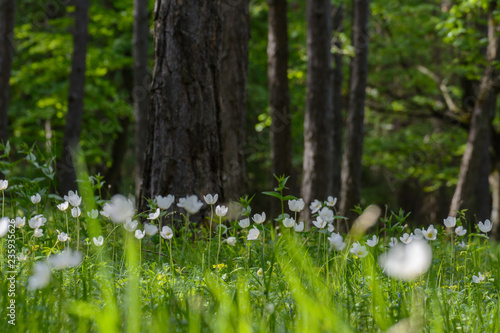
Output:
[[273, 194]]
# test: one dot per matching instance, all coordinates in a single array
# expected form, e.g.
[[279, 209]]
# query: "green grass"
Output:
[[304, 285]]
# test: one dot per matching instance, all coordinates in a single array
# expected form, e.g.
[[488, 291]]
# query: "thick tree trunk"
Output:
[[183, 154], [318, 140], [7, 14], [479, 133], [337, 15], [279, 98], [140, 91], [233, 96], [66, 168], [353, 150]]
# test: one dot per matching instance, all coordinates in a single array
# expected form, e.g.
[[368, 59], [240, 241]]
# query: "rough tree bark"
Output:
[[7, 14], [337, 16], [72, 129], [318, 140], [279, 97], [233, 97], [140, 91], [353, 149], [479, 133], [183, 153]]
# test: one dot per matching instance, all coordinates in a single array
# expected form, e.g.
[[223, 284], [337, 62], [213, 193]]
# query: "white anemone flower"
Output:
[[319, 223], [372, 242], [450, 221], [191, 204], [41, 276], [36, 198], [19, 222], [406, 239], [22, 257], [211, 199], [336, 241], [37, 221], [331, 201], [485, 227], [150, 229], [154, 216], [4, 184], [331, 227], [73, 198], [296, 205], [65, 259], [106, 210], [165, 202], [62, 237], [93, 214], [259, 218], [139, 234], [130, 225], [478, 279], [231, 241], [315, 206], [38, 233], [221, 211], [253, 234], [245, 223], [407, 262], [417, 234], [326, 214], [76, 212], [288, 222], [393, 241], [63, 206], [4, 226], [359, 250], [460, 231], [166, 232], [299, 227], [98, 241], [120, 208], [430, 233]]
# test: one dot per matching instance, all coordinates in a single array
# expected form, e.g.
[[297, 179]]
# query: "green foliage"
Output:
[[125, 285]]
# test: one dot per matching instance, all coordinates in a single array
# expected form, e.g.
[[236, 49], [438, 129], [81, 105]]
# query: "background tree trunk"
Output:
[[337, 16], [279, 97], [318, 140], [233, 96], [140, 91], [353, 150], [66, 168], [479, 133], [183, 154], [7, 15]]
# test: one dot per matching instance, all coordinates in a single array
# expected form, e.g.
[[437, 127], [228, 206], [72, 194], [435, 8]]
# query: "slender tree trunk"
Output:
[[66, 168], [183, 153], [7, 14], [140, 91], [337, 15], [353, 150], [279, 98], [495, 212], [233, 97], [318, 140], [113, 176], [479, 132]]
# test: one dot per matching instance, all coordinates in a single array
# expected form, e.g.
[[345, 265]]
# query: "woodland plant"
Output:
[[74, 270]]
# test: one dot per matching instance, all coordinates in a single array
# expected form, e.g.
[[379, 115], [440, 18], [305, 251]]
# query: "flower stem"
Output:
[[210, 234], [218, 250]]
